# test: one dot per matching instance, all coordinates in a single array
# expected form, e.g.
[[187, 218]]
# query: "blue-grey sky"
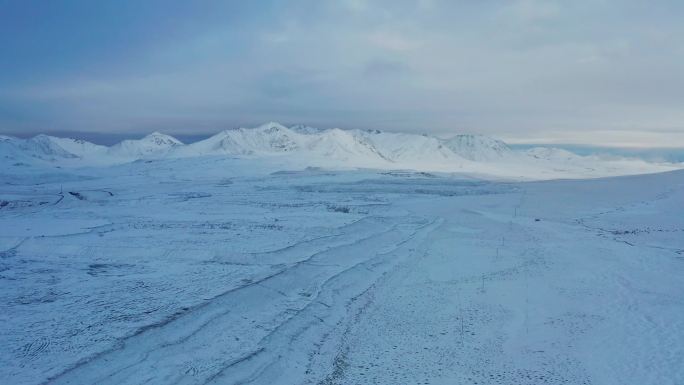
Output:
[[603, 72]]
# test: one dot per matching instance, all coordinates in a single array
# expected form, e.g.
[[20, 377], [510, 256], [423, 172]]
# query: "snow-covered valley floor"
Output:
[[214, 270]]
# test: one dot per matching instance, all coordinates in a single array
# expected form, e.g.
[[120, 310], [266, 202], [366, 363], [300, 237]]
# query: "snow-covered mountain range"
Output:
[[301, 146]]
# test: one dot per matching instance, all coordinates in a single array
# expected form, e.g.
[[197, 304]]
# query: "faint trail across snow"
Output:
[[233, 326]]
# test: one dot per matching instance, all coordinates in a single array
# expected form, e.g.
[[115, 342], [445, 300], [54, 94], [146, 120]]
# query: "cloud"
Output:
[[528, 11], [392, 41], [386, 68], [521, 69], [356, 5]]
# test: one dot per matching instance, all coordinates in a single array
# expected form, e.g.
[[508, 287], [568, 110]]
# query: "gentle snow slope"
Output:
[[211, 270]]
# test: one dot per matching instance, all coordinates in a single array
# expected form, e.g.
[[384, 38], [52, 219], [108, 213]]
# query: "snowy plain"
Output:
[[162, 263]]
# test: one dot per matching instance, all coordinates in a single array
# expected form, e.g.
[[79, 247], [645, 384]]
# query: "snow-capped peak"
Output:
[[45, 145], [153, 145], [47, 148], [272, 127], [550, 153], [477, 147], [305, 130], [267, 138], [160, 139]]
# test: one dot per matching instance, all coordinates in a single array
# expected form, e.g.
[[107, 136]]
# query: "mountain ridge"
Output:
[[308, 146]]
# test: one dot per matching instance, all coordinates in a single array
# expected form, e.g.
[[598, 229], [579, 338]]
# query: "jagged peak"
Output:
[[305, 130]]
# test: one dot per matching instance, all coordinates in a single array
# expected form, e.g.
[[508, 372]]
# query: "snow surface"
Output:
[[232, 268], [297, 147]]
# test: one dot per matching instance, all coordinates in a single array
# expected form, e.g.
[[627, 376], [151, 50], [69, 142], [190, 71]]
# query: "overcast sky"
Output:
[[605, 72]]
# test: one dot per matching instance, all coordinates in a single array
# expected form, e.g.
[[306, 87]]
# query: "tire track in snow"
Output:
[[188, 312], [322, 324], [130, 357]]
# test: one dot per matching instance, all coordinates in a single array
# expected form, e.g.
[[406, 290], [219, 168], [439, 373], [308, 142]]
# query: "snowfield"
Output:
[[269, 257]]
